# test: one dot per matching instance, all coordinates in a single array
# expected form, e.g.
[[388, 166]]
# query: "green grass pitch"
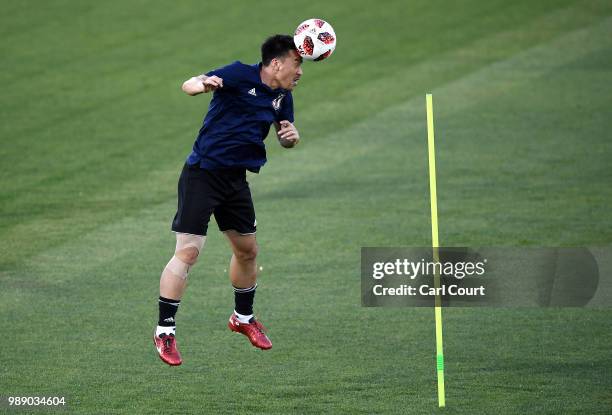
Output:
[[94, 131]]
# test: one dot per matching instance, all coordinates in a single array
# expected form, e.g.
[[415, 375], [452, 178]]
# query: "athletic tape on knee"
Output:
[[183, 241], [178, 267], [186, 240]]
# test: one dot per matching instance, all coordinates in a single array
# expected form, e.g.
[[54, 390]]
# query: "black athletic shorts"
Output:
[[224, 193]]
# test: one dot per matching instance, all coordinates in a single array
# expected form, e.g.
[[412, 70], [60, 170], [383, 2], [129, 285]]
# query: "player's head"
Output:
[[280, 57]]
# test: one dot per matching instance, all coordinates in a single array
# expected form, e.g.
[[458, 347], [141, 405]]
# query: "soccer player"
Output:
[[247, 100]]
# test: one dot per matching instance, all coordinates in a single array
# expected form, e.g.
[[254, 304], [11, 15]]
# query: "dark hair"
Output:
[[275, 47]]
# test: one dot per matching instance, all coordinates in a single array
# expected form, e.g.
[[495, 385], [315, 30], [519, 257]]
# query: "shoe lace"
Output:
[[260, 327], [168, 340]]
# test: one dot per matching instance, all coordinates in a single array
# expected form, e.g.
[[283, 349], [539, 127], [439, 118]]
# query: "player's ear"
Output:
[[276, 64]]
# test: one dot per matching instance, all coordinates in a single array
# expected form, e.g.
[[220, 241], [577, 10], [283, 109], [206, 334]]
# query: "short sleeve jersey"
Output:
[[239, 119]]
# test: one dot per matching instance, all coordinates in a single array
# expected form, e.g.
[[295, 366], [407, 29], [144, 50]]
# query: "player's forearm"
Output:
[[195, 85]]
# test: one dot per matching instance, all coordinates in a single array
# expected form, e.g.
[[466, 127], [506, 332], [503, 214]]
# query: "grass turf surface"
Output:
[[94, 131]]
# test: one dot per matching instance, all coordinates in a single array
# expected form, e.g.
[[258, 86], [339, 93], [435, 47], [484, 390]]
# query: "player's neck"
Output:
[[267, 77]]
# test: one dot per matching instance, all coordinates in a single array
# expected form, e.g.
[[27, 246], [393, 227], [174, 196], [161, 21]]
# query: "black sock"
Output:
[[243, 298], [167, 311]]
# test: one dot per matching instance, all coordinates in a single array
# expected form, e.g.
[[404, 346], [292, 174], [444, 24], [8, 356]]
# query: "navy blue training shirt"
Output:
[[239, 119]]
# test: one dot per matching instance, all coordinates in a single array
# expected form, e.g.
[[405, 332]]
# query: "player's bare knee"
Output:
[[248, 254]]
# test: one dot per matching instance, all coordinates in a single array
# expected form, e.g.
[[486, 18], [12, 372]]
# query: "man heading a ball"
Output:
[[247, 100]]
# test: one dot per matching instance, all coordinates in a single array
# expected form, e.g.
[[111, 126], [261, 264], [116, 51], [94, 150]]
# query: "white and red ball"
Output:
[[315, 39]]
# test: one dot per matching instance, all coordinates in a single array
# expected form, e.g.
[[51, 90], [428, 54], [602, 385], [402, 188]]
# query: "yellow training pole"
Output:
[[435, 245]]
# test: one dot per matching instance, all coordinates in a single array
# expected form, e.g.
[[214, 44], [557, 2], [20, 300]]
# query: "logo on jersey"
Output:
[[277, 102], [252, 92]]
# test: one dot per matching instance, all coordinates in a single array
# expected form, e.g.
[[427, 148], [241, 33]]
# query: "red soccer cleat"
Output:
[[254, 330], [166, 347]]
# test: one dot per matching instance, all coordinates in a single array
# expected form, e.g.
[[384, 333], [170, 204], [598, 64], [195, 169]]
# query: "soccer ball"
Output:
[[315, 39]]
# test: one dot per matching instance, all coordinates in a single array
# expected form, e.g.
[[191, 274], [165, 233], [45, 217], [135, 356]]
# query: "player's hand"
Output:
[[288, 135], [212, 83]]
